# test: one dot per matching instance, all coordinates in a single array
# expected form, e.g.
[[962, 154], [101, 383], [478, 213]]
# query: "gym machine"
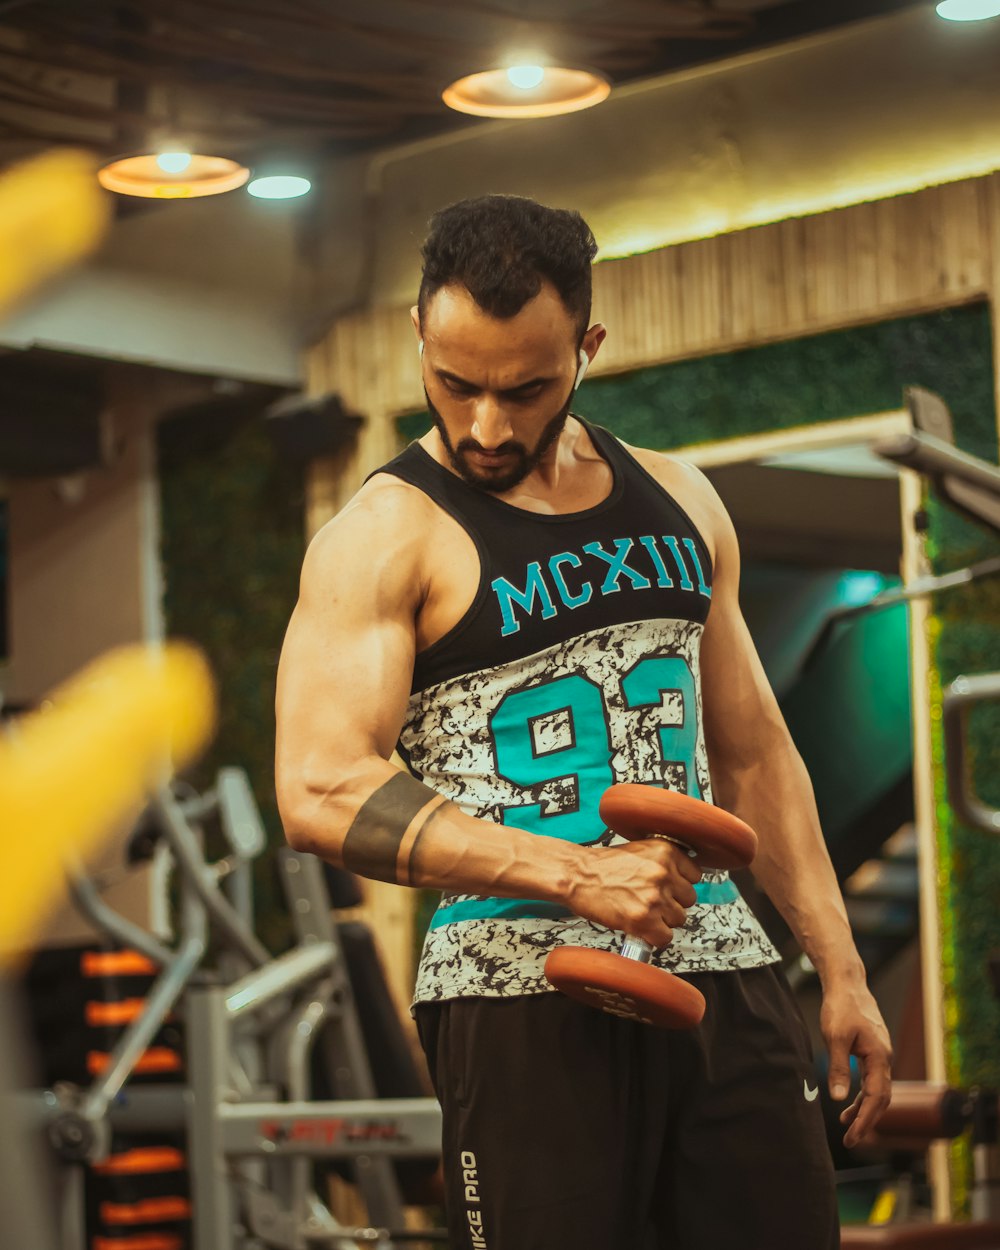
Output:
[[252, 1023], [922, 1113]]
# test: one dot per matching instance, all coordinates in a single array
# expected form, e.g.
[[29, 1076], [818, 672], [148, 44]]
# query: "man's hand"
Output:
[[852, 1025], [642, 888]]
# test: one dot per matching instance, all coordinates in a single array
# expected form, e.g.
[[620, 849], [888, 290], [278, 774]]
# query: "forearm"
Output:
[[384, 824], [774, 795]]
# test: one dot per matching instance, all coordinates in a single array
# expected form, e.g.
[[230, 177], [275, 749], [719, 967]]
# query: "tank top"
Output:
[[576, 666]]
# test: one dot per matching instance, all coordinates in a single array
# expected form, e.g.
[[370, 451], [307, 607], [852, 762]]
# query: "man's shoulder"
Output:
[[385, 498], [688, 485], [384, 523]]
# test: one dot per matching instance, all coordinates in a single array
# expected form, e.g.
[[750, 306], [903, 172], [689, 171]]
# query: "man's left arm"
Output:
[[758, 774]]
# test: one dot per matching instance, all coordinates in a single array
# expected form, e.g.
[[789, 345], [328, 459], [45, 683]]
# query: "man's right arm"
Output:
[[343, 684]]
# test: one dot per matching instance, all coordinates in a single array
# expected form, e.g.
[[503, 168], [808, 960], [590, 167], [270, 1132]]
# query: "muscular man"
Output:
[[532, 611]]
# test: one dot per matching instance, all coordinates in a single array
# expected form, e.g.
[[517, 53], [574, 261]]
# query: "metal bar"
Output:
[[279, 976], [919, 588], [146, 1108], [302, 1035], [241, 823], [202, 880], [25, 1183], [212, 1191], [636, 949], [139, 1034], [936, 458], [300, 1038], [168, 987], [387, 1237], [238, 886], [149, 1108], [400, 1128], [108, 921], [72, 1208], [343, 1045], [960, 695]]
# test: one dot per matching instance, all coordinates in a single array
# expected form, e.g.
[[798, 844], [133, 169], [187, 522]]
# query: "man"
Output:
[[532, 612]]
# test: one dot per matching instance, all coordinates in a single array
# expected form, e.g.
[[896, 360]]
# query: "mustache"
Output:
[[509, 448]]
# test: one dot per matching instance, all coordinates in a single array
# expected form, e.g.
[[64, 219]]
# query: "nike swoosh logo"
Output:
[[810, 1094]]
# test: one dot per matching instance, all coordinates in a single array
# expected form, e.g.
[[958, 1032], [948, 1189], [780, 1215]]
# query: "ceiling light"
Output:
[[527, 91], [526, 77], [174, 162], [968, 10], [172, 175], [279, 187]]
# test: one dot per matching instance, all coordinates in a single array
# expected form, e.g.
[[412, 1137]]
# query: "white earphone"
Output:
[[581, 373]]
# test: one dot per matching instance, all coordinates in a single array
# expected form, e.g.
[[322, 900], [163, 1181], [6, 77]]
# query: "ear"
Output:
[[415, 322], [593, 339]]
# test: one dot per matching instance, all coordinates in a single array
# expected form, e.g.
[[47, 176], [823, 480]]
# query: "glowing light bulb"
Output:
[[279, 187], [526, 77], [968, 10], [174, 162]]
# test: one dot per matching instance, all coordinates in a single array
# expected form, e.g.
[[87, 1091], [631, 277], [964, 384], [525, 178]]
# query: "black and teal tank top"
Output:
[[575, 667]]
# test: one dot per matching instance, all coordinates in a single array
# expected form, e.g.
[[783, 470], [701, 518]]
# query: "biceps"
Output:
[[342, 690]]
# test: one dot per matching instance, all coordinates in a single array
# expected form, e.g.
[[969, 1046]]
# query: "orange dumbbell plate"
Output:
[[720, 839], [624, 987]]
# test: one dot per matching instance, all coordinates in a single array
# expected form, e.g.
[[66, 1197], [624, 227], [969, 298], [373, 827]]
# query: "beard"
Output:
[[518, 463]]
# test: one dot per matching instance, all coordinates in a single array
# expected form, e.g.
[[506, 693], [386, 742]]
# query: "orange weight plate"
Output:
[[624, 987], [721, 839]]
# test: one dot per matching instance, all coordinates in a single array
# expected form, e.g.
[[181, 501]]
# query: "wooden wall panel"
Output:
[[868, 262]]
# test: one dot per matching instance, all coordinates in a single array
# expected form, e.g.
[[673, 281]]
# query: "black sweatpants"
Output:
[[569, 1129]]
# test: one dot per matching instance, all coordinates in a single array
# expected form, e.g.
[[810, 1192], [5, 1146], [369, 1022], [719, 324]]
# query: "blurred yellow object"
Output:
[[52, 213], [74, 772]]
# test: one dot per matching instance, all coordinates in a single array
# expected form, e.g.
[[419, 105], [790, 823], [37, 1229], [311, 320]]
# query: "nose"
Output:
[[491, 425]]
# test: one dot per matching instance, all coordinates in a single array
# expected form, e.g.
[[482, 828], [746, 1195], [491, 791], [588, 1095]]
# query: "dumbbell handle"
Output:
[[624, 983], [634, 947]]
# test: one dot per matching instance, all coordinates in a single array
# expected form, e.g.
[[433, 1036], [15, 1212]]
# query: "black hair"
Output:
[[502, 247]]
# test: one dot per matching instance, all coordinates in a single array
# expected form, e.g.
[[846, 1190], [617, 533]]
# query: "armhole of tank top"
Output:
[[469, 615], [661, 489]]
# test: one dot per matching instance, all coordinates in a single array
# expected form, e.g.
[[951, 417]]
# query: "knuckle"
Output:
[[660, 875], [636, 919]]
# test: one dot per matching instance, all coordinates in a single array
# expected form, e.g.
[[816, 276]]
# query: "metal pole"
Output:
[[26, 1202], [281, 976], [213, 1208], [202, 880], [137, 1037], [107, 920]]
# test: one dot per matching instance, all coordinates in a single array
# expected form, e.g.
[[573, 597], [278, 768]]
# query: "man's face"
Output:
[[499, 391]]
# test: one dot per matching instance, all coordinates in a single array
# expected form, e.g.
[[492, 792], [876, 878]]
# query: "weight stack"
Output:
[[78, 1003]]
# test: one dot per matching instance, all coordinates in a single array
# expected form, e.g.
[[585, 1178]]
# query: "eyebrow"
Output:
[[447, 376]]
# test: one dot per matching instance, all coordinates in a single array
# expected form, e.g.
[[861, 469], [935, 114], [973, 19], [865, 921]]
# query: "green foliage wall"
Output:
[[232, 544]]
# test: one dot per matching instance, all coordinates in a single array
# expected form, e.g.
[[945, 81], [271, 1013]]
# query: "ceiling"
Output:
[[334, 76]]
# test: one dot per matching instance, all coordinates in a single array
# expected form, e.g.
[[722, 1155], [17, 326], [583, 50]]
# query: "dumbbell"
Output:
[[624, 983]]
